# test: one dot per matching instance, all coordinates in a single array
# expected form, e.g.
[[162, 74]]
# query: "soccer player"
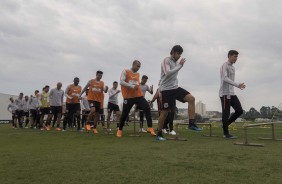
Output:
[[95, 98], [85, 108], [26, 110], [12, 108], [19, 111], [227, 93], [73, 104], [56, 98], [113, 104], [34, 105], [170, 91], [144, 89], [45, 108], [132, 94]]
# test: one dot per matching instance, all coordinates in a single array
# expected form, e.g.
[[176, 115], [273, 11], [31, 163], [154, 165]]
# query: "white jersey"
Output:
[[169, 72], [113, 96]]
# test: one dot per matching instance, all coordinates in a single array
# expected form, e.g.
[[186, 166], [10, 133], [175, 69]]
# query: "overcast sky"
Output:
[[44, 42]]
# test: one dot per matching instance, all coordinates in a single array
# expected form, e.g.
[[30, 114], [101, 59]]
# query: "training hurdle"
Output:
[[208, 124], [246, 142], [177, 138]]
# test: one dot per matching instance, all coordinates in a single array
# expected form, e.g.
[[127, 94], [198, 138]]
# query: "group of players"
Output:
[[133, 90]]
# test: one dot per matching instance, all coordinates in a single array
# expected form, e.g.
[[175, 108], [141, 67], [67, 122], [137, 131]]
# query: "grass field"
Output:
[[31, 156]]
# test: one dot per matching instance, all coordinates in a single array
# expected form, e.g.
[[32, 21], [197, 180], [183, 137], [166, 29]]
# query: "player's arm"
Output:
[[150, 89], [155, 96], [62, 97], [225, 78], [105, 88], [168, 71], [67, 92], [9, 108], [122, 80], [85, 88]]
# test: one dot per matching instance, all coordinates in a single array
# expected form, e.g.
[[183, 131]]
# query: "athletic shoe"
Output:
[[95, 131], [64, 130], [26, 127], [109, 130], [164, 131], [151, 131], [160, 138], [42, 129], [194, 127], [48, 127], [82, 128], [79, 130], [119, 133], [58, 129], [142, 130], [87, 128], [172, 132], [229, 136]]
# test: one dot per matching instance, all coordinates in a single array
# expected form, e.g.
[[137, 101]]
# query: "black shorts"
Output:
[[169, 97], [33, 113], [73, 107], [19, 113], [56, 110], [44, 111], [94, 104], [113, 107], [26, 114], [14, 115]]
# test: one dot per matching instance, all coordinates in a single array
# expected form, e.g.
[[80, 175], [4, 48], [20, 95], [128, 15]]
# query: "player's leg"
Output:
[[236, 105], [127, 105], [144, 105], [225, 103]]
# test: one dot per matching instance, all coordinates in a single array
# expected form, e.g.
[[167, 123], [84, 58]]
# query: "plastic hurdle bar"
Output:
[[246, 142]]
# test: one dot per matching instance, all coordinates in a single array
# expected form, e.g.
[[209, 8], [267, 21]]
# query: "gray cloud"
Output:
[[43, 42]]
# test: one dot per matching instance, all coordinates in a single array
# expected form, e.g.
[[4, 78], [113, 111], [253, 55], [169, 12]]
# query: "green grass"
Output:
[[31, 156]]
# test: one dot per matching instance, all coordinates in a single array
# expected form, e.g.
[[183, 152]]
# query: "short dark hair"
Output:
[[115, 82], [36, 91], [76, 78], [144, 77], [176, 48], [21, 93], [99, 72], [232, 52], [46, 87]]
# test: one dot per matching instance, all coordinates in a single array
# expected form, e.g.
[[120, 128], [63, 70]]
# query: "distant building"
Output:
[[201, 108], [4, 102]]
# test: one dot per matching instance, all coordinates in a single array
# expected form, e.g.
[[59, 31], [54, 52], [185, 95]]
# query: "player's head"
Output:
[[115, 85], [136, 65], [99, 75], [26, 98], [11, 99], [176, 52], [144, 79], [46, 89], [21, 96], [59, 85], [76, 81], [36, 92], [232, 56]]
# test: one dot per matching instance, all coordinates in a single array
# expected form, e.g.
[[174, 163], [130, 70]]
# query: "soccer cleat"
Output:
[[87, 128], [160, 138], [119, 133], [95, 131], [58, 129], [229, 136], [164, 131], [64, 130], [142, 130], [194, 127], [42, 129], [172, 132], [151, 131]]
